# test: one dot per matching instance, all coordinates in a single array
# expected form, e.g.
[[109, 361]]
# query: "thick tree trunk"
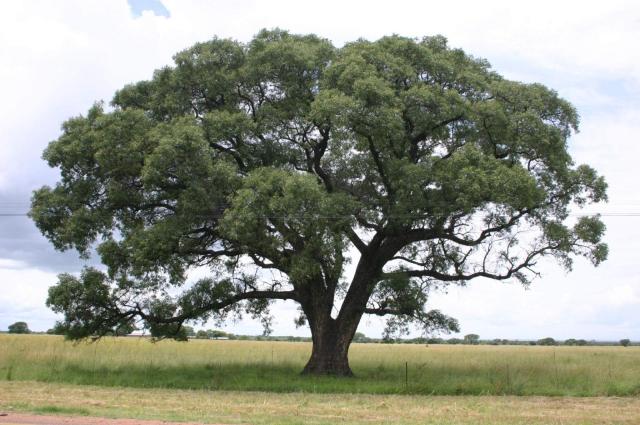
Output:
[[331, 337], [329, 355]]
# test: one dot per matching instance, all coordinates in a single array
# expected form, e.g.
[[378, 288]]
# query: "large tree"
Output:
[[279, 162]]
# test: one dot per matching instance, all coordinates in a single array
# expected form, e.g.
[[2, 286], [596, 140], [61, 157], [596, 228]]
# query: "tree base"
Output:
[[328, 368]]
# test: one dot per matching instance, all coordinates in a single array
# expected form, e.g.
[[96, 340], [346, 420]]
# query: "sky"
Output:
[[58, 58]]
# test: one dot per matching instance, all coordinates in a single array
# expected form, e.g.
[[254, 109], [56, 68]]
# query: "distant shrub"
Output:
[[360, 337], [19, 328], [472, 339]]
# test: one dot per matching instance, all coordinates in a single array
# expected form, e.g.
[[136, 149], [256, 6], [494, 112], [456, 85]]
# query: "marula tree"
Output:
[[278, 162]]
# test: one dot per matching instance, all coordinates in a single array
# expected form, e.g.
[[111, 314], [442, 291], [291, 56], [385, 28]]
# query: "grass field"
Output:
[[262, 408], [275, 367]]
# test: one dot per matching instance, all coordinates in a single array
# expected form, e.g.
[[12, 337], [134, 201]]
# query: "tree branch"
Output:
[[219, 305], [386, 311], [444, 277], [356, 241], [379, 166]]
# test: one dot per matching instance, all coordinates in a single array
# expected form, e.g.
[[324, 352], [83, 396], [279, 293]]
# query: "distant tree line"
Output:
[[548, 341], [359, 337]]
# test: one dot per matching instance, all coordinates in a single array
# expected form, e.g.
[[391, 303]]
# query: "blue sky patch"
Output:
[[156, 6]]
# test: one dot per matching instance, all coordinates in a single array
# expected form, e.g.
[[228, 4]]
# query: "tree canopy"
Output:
[[350, 180], [472, 339], [547, 341], [19, 328]]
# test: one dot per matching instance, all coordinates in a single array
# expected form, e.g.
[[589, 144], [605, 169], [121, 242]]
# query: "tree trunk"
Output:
[[332, 337], [329, 355]]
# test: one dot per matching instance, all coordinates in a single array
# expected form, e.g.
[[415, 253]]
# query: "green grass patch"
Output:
[[60, 410], [276, 366]]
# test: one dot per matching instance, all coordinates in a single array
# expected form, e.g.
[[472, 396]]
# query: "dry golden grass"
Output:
[[298, 408]]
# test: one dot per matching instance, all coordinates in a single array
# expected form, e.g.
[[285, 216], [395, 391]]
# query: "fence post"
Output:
[[555, 366], [406, 375]]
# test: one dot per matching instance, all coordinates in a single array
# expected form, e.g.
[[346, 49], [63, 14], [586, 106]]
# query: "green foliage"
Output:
[[472, 339], [360, 337], [272, 162], [214, 333], [625, 342], [547, 341], [19, 328], [88, 305]]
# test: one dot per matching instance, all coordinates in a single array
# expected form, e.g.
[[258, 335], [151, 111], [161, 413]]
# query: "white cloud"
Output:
[[623, 295], [569, 36], [23, 296], [9, 263]]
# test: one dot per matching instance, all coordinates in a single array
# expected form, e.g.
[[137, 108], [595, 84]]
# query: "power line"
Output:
[[601, 214]]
